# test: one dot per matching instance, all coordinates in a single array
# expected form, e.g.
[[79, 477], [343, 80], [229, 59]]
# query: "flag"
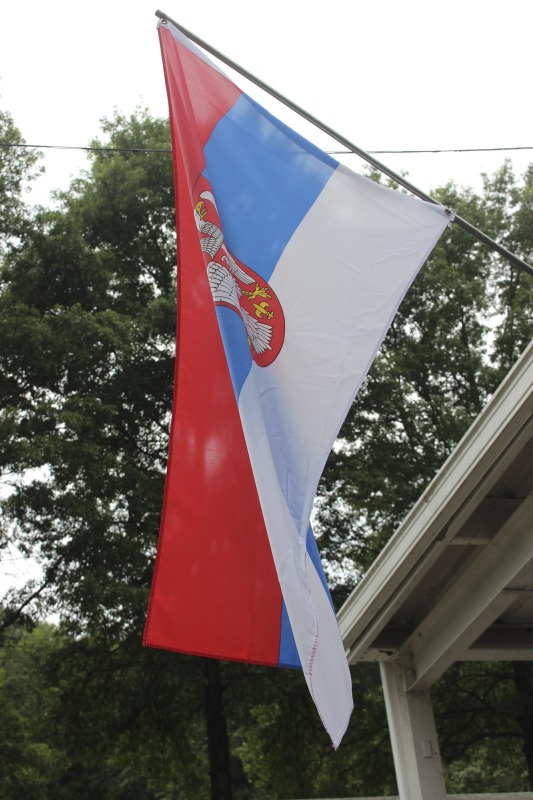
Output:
[[290, 270]]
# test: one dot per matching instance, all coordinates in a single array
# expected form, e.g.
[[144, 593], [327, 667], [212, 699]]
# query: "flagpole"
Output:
[[482, 237]]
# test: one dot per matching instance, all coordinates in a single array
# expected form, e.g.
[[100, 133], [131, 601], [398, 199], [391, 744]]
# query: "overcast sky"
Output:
[[387, 75]]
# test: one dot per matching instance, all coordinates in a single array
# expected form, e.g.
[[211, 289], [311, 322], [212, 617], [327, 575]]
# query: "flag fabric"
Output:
[[290, 270]]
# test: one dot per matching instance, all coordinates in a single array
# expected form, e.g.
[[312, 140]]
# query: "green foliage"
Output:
[[479, 712], [31, 758], [81, 719], [87, 322], [87, 312], [286, 753], [18, 166], [134, 715]]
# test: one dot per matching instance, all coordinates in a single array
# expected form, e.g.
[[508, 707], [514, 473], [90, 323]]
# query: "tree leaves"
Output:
[[87, 324]]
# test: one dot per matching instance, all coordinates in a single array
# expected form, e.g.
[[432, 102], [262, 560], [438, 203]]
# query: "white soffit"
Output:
[[455, 582]]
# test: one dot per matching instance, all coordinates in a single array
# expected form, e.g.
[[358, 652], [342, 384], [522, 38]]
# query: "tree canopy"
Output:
[[87, 321]]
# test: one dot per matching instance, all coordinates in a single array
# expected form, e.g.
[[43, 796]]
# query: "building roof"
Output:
[[455, 582]]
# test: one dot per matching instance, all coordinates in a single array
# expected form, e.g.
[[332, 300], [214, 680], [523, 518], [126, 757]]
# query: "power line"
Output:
[[456, 150], [356, 151], [330, 152], [86, 148]]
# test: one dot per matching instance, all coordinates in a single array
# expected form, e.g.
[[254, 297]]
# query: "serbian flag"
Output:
[[290, 270]]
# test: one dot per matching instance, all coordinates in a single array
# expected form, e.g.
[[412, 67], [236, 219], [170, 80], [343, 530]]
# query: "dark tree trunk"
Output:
[[217, 732], [523, 675]]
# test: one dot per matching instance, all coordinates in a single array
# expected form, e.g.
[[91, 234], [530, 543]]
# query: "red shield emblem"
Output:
[[236, 286]]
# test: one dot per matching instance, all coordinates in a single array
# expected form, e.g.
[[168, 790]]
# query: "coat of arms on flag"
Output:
[[237, 286]]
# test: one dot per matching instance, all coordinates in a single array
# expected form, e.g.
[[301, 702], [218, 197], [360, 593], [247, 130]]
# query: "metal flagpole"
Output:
[[513, 259]]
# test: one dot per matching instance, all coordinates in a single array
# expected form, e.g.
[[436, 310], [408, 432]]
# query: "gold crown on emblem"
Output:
[[201, 209]]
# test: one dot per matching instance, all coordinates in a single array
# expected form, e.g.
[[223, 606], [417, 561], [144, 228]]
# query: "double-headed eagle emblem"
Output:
[[258, 307]]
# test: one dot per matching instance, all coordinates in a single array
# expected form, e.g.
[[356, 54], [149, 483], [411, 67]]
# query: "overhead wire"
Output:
[[88, 148], [356, 151]]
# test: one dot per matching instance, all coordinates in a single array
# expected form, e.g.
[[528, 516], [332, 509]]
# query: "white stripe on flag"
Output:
[[340, 280]]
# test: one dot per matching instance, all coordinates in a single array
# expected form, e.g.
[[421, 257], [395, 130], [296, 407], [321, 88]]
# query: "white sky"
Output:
[[387, 75]]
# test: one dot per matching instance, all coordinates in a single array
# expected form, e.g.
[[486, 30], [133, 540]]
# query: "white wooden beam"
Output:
[[413, 735], [508, 643], [498, 643], [473, 603]]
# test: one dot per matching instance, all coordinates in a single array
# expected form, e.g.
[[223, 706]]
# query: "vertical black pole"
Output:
[[523, 676], [217, 732]]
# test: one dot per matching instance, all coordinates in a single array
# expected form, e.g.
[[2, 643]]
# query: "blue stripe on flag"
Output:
[[236, 346], [314, 555], [288, 654], [265, 177]]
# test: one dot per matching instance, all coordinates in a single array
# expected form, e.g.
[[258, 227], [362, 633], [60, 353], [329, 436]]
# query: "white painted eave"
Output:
[[436, 525]]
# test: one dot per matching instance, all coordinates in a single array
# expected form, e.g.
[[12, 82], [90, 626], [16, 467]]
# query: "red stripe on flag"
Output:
[[199, 94], [215, 590]]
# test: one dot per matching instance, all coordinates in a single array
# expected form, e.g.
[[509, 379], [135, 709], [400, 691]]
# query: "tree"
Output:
[[87, 315], [31, 759], [87, 311], [286, 753], [18, 166], [479, 715]]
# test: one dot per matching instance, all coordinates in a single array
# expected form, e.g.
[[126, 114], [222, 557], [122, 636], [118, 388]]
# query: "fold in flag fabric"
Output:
[[290, 270]]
